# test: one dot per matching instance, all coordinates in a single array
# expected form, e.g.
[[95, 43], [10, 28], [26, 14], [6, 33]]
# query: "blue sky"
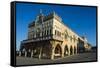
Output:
[[81, 20]]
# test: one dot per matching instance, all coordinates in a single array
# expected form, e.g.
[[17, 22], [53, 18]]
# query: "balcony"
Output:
[[49, 37], [57, 38], [37, 39]]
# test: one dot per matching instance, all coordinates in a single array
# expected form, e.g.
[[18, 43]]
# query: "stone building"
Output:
[[48, 37]]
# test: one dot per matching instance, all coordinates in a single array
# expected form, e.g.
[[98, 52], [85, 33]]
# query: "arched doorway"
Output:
[[29, 53], [23, 52], [58, 51], [46, 51], [71, 50], [80, 46], [66, 50]]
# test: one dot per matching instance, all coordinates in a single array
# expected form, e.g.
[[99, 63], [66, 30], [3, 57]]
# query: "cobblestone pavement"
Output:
[[67, 59]]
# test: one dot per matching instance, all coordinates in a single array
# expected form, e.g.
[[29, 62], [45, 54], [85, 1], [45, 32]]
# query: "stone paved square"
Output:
[[67, 59]]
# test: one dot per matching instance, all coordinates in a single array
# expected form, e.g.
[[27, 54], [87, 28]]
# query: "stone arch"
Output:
[[58, 50], [71, 50], [46, 48], [29, 53], [23, 49], [66, 50], [80, 46]]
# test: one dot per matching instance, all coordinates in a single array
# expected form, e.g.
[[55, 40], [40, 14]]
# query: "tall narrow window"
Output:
[[47, 32], [55, 32], [50, 32]]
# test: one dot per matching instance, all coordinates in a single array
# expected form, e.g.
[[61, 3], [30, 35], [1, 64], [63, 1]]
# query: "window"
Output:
[[30, 36], [57, 33], [50, 32], [71, 38], [47, 32], [42, 33], [48, 23], [74, 38], [33, 35], [65, 36]]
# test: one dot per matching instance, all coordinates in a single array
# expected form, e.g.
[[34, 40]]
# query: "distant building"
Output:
[[48, 37]]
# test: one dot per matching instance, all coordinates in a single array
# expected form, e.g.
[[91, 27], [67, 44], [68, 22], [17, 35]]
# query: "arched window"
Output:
[[74, 38], [50, 31], [66, 34]]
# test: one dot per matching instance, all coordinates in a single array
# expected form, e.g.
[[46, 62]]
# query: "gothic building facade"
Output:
[[48, 37]]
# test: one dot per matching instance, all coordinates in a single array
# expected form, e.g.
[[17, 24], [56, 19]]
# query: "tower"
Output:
[[39, 18]]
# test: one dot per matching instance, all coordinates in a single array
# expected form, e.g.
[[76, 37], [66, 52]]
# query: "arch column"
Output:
[[68, 51], [76, 50], [62, 54], [19, 53], [31, 53], [52, 49], [73, 50], [40, 52], [52, 53], [25, 53]]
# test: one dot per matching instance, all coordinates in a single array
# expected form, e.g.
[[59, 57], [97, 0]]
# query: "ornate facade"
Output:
[[48, 37]]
